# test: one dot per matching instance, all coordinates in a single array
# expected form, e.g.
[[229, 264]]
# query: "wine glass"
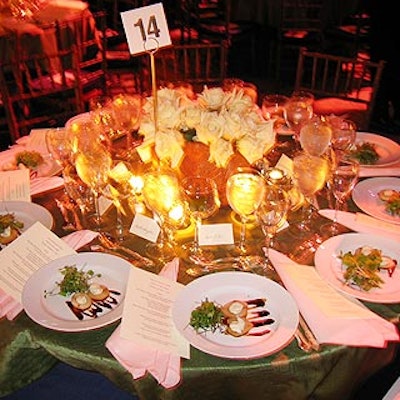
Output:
[[309, 175], [343, 178], [127, 110], [93, 164], [344, 132], [59, 145], [245, 189], [163, 196], [297, 112], [315, 136], [270, 214], [201, 194], [272, 107]]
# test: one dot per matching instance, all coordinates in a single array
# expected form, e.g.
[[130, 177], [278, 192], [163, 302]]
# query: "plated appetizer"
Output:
[[391, 198], [10, 228], [84, 297], [236, 318], [365, 153], [363, 267]]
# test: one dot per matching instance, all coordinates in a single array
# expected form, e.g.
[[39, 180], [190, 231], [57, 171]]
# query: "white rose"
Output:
[[250, 148], [210, 128], [147, 129], [233, 127], [169, 146], [239, 102], [213, 99], [191, 116], [220, 152]]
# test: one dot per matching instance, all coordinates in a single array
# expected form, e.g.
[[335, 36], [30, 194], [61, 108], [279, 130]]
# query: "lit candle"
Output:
[[276, 176]]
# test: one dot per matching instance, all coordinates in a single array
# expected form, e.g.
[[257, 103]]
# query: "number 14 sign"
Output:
[[146, 28]]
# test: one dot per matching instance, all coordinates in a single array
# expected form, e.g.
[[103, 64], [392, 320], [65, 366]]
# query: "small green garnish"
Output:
[[206, 317], [365, 153], [362, 269], [30, 159], [8, 220], [74, 281]]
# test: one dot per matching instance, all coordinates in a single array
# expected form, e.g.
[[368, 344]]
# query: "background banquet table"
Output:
[[38, 34], [28, 350]]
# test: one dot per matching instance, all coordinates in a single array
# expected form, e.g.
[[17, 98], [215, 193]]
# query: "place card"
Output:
[[146, 28], [36, 247], [145, 227], [146, 317], [215, 234], [15, 185], [285, 163]]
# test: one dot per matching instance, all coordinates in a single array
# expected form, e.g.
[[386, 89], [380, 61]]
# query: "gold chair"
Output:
[[301, 24], [87, 34], [35, 96], [341, 85], [198, 64]]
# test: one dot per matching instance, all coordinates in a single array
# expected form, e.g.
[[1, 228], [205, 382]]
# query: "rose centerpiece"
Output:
[[205, 134]]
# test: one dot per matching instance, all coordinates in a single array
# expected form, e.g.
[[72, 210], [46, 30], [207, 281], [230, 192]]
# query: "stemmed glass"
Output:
[[315, 136], [93, 164], [163, 196], [202, 196], [344, 132], [343, 178], [59, 145], [309, 175], [245, 189], [271, 213], [296, 113]]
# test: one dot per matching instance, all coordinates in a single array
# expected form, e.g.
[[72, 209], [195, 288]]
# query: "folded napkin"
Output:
[[40, 185], [392, 170], [138, 359], [72, 4], [9, 307], [363, 223], [334, 318]]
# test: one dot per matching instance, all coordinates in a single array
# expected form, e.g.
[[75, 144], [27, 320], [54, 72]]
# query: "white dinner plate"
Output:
[[83, 116], [365, 196], [329, 266], [387, 149], [28, 213], [52, 311], [223, 287]]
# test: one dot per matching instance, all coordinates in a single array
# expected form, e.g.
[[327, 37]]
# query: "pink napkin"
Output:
[[334, 318], [138, 359], [9, 307]]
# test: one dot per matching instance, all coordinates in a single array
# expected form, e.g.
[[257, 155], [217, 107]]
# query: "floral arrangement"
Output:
[[224, 121]]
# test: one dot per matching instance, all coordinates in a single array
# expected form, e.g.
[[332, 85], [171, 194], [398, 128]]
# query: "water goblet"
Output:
[[344, 132], [296, 113], [309, 175], [201, 194], [343, 177], [245, 189], [59, 145], [315, 136], [272, 107], [270, 214]]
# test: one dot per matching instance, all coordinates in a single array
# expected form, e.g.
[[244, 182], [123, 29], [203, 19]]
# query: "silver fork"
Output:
[[108, 243]]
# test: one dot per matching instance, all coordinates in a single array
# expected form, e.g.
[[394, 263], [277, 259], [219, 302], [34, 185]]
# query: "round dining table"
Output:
[[29, 350]]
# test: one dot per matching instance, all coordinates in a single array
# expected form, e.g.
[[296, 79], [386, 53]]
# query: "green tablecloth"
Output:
[[28, 351]]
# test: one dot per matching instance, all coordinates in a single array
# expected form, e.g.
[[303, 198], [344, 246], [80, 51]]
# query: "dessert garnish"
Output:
[[235, 318], [391, 198], [10, 228], [365, 153], [363, 267]]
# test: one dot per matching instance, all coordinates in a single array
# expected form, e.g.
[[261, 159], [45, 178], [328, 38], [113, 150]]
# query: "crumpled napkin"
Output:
[[390, 170], [363, 223], [9, 307], [334, 318], [138, 359]]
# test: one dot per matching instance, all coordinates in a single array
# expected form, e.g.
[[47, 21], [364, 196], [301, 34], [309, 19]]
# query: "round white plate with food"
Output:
[[268, 302], [366, 196], [27, 213], [388, 150], [330, 267], [44, 306]]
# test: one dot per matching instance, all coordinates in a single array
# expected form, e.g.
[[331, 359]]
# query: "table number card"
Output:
[[146, 28]]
